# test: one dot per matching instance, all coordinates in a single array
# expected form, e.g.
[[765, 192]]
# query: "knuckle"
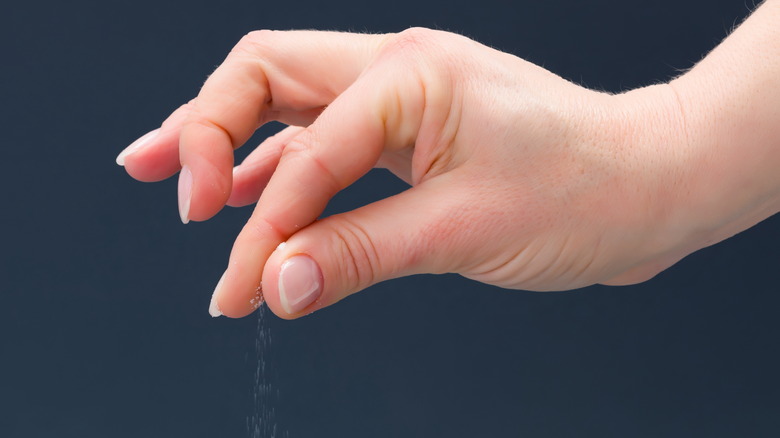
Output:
[[260, 230], [199, 120], [254, 43], [297, 146], [412, 40], [444, 52], [302, 149], [187, 107], [431, 54]]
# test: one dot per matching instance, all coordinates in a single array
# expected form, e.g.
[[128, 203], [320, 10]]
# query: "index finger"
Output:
[[269, 75]]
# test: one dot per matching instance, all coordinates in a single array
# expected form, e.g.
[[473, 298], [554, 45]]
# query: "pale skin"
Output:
[[518, 177]]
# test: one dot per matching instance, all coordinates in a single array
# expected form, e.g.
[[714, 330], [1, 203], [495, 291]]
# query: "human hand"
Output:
[[519, 178]]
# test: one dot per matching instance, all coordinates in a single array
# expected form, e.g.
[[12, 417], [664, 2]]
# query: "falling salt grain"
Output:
[[262, 421]]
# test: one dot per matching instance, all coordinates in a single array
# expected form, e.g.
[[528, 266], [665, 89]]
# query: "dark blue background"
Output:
[[104, 330]]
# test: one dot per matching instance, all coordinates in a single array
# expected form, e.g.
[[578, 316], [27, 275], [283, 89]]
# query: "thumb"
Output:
[[409, 233]]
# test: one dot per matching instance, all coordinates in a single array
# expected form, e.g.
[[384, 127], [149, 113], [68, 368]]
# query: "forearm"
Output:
[[729, 141], [731, 106]]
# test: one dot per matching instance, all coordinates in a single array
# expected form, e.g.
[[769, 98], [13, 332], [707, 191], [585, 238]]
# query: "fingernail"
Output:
[[300, 283], [185, 193], [213, 306], [136, 145]]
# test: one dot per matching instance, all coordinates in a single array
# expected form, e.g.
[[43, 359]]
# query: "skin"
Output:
[[518, 177]]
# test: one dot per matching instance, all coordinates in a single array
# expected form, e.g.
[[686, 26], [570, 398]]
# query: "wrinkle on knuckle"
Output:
[[261, 229], [299, 149], [359, 258], [202, 121]]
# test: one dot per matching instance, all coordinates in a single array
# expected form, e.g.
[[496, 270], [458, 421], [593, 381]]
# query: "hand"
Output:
[[518, 178]]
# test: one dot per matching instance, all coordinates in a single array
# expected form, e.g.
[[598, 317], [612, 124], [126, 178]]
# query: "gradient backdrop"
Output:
[[104, 330]]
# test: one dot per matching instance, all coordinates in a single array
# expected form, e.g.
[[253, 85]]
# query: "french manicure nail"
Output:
[[136, 145], [185, 193], [213, 306], [300, 283]]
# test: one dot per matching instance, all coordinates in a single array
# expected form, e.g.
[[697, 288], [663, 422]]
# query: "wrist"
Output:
[[734, 154], [710, 139], [709, 163], [659, 150], [730, 104]]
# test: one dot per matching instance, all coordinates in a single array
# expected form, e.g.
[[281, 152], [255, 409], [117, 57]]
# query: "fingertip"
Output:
[[300, 283], [293, 283], [155, 159], [155, 155], [207, 154], [214, 309], [236, 198], [248, 185], [270, 283], [236, 294], [208, 195], [185, 193], [224, 302], [136, 145]]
